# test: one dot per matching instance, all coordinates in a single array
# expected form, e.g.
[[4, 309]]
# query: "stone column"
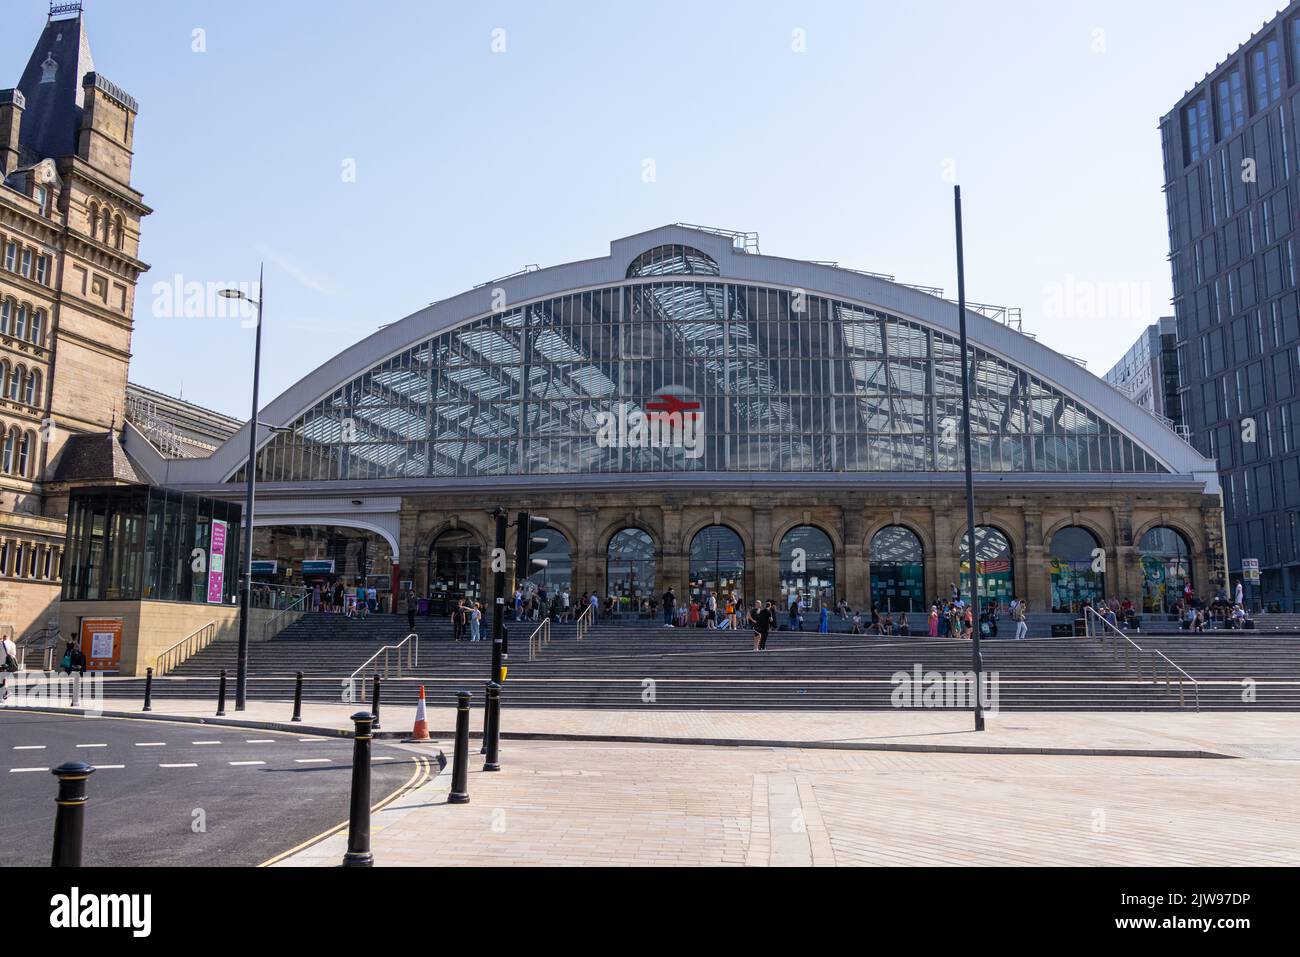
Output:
[[762, 573], [586, 573], [1034, 581], [1121, 569], [852, 573], [673, 566], [946, 558]]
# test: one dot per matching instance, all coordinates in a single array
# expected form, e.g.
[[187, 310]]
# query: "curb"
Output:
[[396, 736], [287, 726]]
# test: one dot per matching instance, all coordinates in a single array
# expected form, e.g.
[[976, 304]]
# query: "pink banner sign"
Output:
[[217, 563]]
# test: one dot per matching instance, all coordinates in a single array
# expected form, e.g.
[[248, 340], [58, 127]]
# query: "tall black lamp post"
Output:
[[250, 470], [978, 659]]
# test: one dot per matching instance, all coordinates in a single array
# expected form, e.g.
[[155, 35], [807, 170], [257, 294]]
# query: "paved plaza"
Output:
[[601, 804]]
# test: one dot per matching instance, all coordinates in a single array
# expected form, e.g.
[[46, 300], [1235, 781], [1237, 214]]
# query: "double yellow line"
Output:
[[425, 770]]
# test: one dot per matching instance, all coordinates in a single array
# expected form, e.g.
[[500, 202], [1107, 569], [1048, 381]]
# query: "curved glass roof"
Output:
[[771, 381]]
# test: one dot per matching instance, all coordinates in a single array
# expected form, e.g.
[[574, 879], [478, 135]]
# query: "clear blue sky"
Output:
[[470, 163]]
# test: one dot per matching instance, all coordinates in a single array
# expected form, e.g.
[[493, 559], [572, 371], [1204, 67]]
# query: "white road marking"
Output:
[[92, 745], [151, 744], [178, 765], [240, 764], [381, 757], [314, 740], [25, 770], [311, 760], [205, 742], [260, 741], [29, 747], [109, 767]]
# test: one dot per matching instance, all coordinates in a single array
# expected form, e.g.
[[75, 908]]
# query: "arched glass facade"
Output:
[[771, 382], [1070, 564], [897, 570], [717, 562], [996, 565], [455, 566], [630, 568], [1166, 562], [807, 567]]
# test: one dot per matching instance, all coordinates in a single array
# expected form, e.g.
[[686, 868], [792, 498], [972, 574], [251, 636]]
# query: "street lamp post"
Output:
[[250, 470], [978, 659]]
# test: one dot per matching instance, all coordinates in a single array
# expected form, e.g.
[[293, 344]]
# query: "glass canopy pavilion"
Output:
[[787, 411]]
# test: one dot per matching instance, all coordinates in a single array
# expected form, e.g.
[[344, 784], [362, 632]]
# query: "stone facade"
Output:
[[1117, 518], [73, 219]]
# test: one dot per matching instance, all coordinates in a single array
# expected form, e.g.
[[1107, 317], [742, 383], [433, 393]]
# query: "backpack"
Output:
[[10, 662]]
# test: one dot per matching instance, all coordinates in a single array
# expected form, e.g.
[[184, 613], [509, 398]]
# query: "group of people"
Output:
[[335, 598], [543, 603], [704, 610]]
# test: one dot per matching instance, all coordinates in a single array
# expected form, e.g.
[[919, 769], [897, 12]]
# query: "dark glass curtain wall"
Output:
[[133, 543]]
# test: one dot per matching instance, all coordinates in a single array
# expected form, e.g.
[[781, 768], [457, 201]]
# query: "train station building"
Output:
[[691, 413]]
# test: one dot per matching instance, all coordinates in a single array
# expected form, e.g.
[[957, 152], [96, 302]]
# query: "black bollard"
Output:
[[482, 747], [493, 762], [297, 698], [70, 814], [374, 704], [460, 756], [148, 689], [358, 854], [221, 695]]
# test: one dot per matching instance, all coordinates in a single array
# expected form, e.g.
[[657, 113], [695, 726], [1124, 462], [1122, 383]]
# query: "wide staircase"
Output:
[[639, 663]]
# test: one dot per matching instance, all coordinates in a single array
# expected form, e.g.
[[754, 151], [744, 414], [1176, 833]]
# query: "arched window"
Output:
[[20, 327], [107, 227], [996, 565], [717, 562], [897, 570], [94, 219], [25, 447], [630, 568], [7, 309], [119, 231], [807, 567], [16, 382], [32, 391], [11, 444], [1166, 561], [557, 576], [455, 566], [1076, 574], [672, 260], [38, 327], [4, 376]]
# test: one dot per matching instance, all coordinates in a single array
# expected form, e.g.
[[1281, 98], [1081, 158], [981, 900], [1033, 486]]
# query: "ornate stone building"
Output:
[[69, 264], [689, 412]]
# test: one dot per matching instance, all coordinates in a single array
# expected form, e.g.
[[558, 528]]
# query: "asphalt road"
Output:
[[166, 793]]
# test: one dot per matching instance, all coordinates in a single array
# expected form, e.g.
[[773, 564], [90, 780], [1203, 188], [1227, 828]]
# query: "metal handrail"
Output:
[[585, 621], [47, 639], [1092, 617], [191, 644], [294, 608], [539, 639], [412, 660]]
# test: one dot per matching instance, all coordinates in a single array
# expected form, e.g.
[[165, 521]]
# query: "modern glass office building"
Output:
[[1231, 182], [691, 413]]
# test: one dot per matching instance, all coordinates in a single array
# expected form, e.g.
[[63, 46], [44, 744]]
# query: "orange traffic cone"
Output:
[[421, 730]]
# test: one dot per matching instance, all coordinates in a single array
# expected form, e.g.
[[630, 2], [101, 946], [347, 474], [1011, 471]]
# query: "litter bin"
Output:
[[1062, 631], [1080, 627]]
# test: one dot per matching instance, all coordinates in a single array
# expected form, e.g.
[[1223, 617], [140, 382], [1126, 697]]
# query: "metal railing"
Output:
[[283, 619], [585, 621], [190, 645], [1132, 656], [45, 641], [539, 639], [391, 656], [264, 595]]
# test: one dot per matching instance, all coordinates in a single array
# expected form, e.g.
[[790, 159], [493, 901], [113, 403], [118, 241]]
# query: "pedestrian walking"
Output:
[[8, 664]]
